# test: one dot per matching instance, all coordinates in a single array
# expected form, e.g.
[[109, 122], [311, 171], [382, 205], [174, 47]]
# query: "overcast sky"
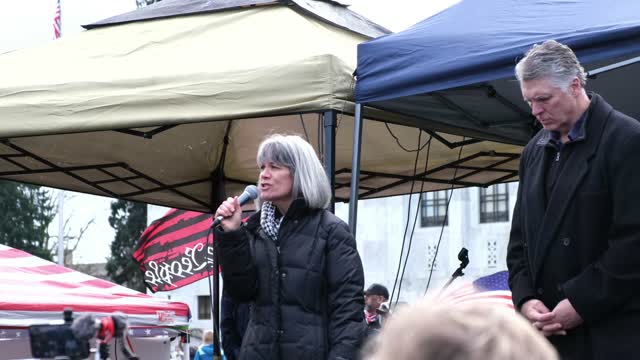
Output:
[[397, 15], [26, 23]]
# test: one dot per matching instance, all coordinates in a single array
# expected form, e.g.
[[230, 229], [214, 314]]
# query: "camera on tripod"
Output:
[[71, 340], [50, 341]]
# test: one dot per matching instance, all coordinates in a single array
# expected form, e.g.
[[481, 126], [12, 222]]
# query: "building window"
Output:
[[433, 208], [204, 307], [492, 253], [494, 203]]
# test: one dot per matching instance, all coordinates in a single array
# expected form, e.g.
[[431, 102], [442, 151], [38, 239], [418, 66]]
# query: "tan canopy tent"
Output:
[[167, 105]]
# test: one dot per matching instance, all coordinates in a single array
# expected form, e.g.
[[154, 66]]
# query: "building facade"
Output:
[[478, 219]]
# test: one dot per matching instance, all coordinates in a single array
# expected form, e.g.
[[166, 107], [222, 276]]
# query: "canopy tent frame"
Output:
[[509, 174], [593, 74], [463, 77], [125, 173], [492, 93], [133, 116]]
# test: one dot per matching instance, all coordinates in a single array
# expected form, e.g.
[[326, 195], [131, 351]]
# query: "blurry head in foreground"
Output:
[[430, 330]]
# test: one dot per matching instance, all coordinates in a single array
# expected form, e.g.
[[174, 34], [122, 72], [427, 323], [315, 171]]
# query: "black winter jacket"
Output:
[[306, 287]]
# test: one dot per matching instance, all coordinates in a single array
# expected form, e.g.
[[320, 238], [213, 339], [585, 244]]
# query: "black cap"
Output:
[[377, 289]]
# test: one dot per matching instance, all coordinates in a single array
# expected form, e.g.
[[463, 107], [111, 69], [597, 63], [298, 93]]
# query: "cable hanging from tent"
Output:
[[418, 149], [446, 214], [304, 127], [415, 219], [344, 103], [404, 237]]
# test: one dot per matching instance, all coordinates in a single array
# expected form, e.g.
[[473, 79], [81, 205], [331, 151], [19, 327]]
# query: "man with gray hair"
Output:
[[574, 248]]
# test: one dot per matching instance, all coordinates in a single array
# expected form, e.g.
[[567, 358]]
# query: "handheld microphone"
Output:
[[250, 193]]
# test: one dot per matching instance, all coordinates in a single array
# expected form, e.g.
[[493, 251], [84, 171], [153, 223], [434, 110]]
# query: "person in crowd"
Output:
[[376, 309], [432, 330], [192, 351], [205, 351], [295, 261], [233, 324], [573, 259]]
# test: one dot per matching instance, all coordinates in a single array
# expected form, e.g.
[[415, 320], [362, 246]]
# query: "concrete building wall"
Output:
[[382, 224]]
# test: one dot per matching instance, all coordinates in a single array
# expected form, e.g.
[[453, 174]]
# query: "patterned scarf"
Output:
[[268, 220], [370, 317]]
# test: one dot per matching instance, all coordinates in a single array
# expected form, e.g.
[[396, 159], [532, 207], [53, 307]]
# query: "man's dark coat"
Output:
[[584, 242]]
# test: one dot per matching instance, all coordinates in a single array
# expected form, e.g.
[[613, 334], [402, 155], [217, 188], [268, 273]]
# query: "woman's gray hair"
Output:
[[309, 178], [551, 60]]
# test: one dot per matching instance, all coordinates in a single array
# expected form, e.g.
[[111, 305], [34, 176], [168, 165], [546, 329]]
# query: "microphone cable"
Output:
[[210, 270], [415, 219], [404, 237], [446, 214]]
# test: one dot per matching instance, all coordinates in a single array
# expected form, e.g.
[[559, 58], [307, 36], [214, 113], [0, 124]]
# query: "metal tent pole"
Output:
[[355, 169], [329, 123]]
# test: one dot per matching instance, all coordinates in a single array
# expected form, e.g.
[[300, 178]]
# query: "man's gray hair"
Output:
[[309, 178], [551, 60]]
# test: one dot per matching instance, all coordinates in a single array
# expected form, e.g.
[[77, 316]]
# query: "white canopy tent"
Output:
[[167, 105], [36, 291]]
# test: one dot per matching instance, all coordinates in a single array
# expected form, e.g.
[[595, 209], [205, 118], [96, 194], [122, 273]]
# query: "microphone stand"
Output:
[[214, 291], [216, 303], [463, 256]]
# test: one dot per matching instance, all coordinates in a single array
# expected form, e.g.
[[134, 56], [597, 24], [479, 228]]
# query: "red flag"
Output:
[[57, 27], [173, 251]]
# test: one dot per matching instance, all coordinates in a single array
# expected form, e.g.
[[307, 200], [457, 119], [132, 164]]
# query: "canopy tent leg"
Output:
[[217, 189], [185, 351], [329, 123], [355, 169], [218, 195]]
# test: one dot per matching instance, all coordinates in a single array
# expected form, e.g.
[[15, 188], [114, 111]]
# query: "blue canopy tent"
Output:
[[453, 72]]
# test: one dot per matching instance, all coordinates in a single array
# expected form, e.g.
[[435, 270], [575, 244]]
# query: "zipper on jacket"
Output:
[[558, 156]]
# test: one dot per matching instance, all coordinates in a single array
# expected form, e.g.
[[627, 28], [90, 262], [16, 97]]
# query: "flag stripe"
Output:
[[177, 238], [492, 289], [163, 232], [172, 218], [179, 249]]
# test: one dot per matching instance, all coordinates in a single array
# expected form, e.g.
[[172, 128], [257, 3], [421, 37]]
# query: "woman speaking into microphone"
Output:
[[295, 261]]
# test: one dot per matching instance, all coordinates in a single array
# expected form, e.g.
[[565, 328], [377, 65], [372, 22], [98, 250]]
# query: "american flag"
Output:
[[492, 288], [57, 27]]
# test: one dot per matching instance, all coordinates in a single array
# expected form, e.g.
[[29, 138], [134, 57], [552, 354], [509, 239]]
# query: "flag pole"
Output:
[[57, 32], [60, 228]]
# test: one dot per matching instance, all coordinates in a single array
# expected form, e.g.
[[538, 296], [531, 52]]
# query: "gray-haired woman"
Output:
[[294, 260]]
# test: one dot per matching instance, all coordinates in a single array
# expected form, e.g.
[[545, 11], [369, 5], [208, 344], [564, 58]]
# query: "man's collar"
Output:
[[577, 133]]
